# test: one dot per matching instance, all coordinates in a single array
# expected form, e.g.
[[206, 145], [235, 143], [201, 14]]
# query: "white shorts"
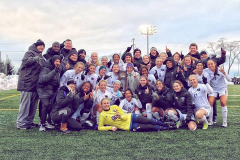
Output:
[[183, 116], [207, 110], [223, 91]]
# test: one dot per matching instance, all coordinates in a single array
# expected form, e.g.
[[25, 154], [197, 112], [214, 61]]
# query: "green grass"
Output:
[[214, 143]]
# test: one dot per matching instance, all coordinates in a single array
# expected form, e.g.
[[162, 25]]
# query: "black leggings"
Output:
[[62, 115], [44, 109]]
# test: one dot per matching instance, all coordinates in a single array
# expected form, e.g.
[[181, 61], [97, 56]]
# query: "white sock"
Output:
[[156, 115], [203, 119], [211, 115], [224, 113], [97, 116], [84, 116], [137, 112], [172, 115], [149, 110]]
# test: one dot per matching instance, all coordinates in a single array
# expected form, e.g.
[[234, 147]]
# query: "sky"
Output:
[[108, 27]]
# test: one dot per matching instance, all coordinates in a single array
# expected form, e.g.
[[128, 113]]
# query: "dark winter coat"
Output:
[[164, 99], [64, 63], [81, 60], [65, 52], [143, 96], [187, 73], [197, 55], [50, 53], [29, 70], [87, 103], [49, 79], [137, 62], [219, 60], [183, 102], [63, 100], [153, 59], [172, 75]]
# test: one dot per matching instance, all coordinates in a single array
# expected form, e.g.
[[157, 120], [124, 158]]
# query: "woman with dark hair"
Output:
[[153, 55], [151, 78], [162, 99], [144, 93], [183, 109], [113, 118], [219, 85], [81, 56], [69, 62]]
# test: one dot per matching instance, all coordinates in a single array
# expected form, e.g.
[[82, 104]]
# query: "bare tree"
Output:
[[232, 48]]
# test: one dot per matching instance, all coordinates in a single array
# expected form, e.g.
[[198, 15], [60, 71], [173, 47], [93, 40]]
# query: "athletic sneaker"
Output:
[[224, 124], [205, 126], [214, 120], [48, 126], [178, 124], [24, 127], [42, 128], [89, 123], [210, 123]]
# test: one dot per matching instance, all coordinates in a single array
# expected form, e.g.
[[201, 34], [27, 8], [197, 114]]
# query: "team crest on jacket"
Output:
[[182, 98], [106, 96], [114, 110], [162, 69], [92, 78]]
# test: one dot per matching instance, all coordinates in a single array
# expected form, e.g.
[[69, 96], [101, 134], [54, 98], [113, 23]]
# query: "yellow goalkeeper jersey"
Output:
[[109, 118]]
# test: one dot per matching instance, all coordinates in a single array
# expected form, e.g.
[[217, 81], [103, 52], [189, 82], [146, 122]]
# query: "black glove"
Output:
[[156, 75], [99, 78], [57, 69], [129, 49], [223, 52], [109, 64], [106, 77], [204, 79], [181, 56], [82, 77], [70, 95], [188, 119], [37, 59], [86, 72]]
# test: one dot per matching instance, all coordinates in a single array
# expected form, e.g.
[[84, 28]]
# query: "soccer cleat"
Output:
[[64, 128], [48, 126], [33, 125], [224, 124], [210, 123], [197, 121], [214, 120], [205, 126], [178, 124], [42, 128]]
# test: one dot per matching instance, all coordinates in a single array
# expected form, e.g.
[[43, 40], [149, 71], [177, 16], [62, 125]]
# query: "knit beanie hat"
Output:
[[71, 81], [56, 44], [71, 52], [102, 68], [82, 51], [135, 50], [153, 48], [130, 65], [39, 42]]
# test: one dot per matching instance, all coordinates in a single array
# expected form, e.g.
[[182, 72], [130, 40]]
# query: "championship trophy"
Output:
[[123, 79]]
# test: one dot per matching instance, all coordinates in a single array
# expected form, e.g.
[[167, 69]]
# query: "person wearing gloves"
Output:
[[113, 118], [144, 94], [153, 55], [183, 109], [219, 85], [159, 70], [127, 51], [69, 62], [54, 50], [76, 74], [130, 104], [29, 71], [162, 100], [81, 56], [172, 73], [132, 77], [199, 96], [47, 86], [65, 101]]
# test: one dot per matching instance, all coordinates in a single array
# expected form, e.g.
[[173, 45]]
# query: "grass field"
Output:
[[214, 143]]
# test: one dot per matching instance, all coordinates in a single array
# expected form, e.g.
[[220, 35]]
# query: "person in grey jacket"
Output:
[[47, 85], [29, 70]]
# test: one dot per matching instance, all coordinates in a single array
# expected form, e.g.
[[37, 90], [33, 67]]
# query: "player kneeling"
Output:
[[199, 95], [115, 118]]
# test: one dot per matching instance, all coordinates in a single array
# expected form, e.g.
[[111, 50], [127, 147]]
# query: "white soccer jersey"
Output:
[[119, 64], [199, 96], [99, 95], [152, 80], [71, 74], [97, 70], [161, 71], [129, 106], [92, 79], [115, 95], [199, 77], [218, 82], [111, 79]]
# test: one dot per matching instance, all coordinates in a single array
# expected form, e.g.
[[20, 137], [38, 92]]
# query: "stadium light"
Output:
[[147, 30]]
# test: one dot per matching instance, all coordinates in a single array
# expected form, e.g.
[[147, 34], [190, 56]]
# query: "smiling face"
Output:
[[115, 68], [163, 56], [40, 48], [159, 62], [154, 52], [199, 67], [78, 68], [169, 64], [105, 104], [187, 61], [86, 87], [94, 58], [56, 48], [211, 65], [102, 86], [91, 70], [177, 87], [82, 55], [57, 63], [159, 85], [137, 54], [193, 50], [68, 45], [143, 81], [204, 56], [146, 59], [102, 72], [128, 96], [73, 57], [116, 59], [144, 72], [176, 58], [116, 86], [129, 69], [104, 61], [72, 86], [128, 59], [193, 81]]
